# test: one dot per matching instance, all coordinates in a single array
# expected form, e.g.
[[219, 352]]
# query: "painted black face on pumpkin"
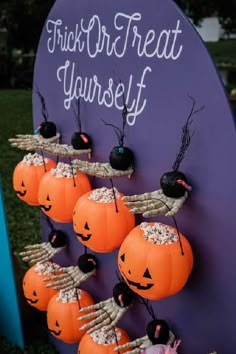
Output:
[[44, 207], [22, 192], [56, 333], [138, 286], [32, 301], [84, 237]]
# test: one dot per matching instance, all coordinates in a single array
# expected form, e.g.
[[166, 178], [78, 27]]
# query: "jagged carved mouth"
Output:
[[84, 238], [21, 194], [45, 208]]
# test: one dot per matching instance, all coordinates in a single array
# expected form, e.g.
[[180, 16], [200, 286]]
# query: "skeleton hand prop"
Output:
[[109, 312], [157, 332], [29, 142], [36, 142], [39, 253], [101, 170], [43, 252], [137, 344], [73, 276], [154, 204]]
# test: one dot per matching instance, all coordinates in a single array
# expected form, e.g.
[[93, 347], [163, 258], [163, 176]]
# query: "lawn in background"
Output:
[[16, 118], [23, 220]]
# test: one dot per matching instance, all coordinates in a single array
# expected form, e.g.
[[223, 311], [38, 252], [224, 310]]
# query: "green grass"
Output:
[[16, 117], [23, 220], [223, 53]]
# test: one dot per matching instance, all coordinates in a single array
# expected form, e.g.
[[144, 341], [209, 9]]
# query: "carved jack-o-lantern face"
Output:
[[103, 342], [58, 194], [97, 222], [27, 176], [63, 312], [151, 262], [34, 286]]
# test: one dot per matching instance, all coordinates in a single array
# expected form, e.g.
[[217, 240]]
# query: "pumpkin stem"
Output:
[[186, 136]]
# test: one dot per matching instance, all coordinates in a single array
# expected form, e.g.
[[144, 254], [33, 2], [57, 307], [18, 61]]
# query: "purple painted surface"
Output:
[[203, 314]]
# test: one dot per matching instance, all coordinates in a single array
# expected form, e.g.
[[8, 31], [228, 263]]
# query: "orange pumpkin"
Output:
[[151, 262], [59, 190], [97, 222], [27, 175], [63, 313], [34, 286], [102, 342]]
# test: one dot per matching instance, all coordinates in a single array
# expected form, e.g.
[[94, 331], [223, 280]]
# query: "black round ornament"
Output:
[[87, 263], [172, 184], [122, 294], [121, 158], [81, 141], [47, 129], [158, 332], [57, 238]]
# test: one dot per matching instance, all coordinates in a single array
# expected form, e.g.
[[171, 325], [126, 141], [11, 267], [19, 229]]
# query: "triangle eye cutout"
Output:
[[22, 184], [86, 226], [147, 274], [122, 257], [48, 198]]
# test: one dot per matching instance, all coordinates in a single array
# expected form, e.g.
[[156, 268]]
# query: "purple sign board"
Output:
[[90, 49]]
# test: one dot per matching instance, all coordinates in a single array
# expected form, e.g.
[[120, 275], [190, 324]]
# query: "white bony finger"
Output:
[[99, 324], [36, 246], [124, 346], [92, 323], [137, 204], [91, 315]]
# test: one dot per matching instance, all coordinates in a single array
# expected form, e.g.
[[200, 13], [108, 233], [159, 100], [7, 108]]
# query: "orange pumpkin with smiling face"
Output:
[[59, 190], [151, 262], [103, 342], [34, 286], [63, 312], [27, 176], [99, 222]]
